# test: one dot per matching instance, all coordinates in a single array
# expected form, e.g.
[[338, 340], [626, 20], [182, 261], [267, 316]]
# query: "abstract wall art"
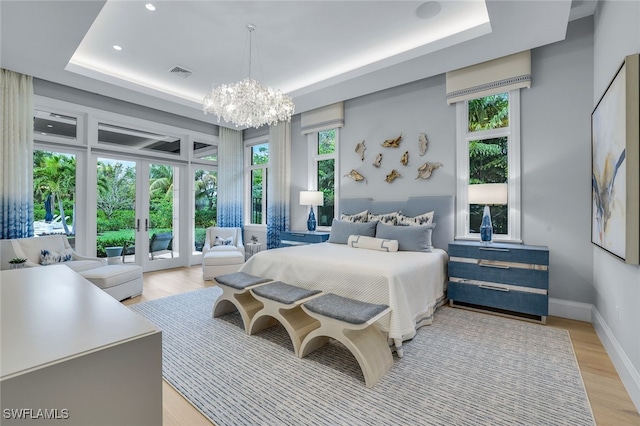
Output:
[[615, 153]]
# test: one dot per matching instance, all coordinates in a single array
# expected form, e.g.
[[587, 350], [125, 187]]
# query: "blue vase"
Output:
[[311, 221], [486, 228]]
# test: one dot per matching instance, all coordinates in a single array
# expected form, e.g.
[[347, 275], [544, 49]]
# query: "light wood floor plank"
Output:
[[609, 399]]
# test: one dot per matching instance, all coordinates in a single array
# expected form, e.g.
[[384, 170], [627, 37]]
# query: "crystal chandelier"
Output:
[[247, 102]]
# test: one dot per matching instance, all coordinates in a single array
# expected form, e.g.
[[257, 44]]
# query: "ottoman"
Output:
[[120, 281], [221, 262]]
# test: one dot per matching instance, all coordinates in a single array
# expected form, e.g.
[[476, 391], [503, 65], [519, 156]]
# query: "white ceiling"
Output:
[[319, 52]]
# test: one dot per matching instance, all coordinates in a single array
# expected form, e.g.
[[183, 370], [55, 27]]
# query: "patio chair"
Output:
[[160, 242]]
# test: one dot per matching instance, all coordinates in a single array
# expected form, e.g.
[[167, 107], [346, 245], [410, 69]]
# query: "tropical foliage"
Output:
[[326, 176], [488, 161], [54, 176]]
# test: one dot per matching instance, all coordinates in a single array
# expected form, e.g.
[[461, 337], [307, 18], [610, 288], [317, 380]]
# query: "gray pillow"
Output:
[[341, 229], [410, 238]]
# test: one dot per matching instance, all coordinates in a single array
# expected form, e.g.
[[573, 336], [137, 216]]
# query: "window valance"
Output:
[[488, 78], [327, 117]]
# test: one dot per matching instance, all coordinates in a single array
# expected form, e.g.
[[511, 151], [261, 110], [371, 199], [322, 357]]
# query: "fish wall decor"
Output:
[[392, 176], [355, 175], [404, 160], [392, 143], [423, 142], [378, 160], [360, 149], [425, 171]]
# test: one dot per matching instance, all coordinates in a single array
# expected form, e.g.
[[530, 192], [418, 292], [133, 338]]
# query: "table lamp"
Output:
[[487, 194], [311, 198]]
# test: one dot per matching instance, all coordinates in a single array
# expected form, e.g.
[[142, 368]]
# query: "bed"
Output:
[[412, 283]]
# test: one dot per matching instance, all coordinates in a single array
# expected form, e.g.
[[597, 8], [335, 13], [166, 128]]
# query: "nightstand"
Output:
[[508, 279], [295, 238]]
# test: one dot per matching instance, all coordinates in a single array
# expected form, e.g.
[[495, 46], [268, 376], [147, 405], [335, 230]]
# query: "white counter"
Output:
[[62, 339]]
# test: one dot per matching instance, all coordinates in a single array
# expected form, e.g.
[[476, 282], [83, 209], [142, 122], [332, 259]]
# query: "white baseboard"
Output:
[[627, 372], [569, 309]]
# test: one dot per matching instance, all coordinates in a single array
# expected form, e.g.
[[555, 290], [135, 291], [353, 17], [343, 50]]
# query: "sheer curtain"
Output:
[[230, 178], [278, 182], [16, 154]]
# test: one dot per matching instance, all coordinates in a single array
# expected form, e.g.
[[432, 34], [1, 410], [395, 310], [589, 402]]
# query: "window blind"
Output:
[[327, 117], [488, 78]]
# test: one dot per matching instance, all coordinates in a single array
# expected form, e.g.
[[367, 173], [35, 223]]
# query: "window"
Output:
[[54, 193], [256, 169], [488, 152], [205, 203], [323, 146]]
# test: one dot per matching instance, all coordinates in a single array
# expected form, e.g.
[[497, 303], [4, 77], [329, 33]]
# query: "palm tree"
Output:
[[161, 180], [54, 177]]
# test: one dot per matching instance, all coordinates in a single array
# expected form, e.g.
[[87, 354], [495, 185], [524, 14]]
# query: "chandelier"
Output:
[[247, 102]]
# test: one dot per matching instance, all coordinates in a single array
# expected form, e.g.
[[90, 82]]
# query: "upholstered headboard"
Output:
[[443, 205]]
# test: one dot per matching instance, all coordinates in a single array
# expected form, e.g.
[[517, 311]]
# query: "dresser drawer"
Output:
[[514, 275], [501, 252], [510, 300]]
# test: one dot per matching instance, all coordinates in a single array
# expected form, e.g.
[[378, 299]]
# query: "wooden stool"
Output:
[[351, 322], [282, 302], [236, 296]]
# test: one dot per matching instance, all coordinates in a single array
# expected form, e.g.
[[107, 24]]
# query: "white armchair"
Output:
[[219, 258]]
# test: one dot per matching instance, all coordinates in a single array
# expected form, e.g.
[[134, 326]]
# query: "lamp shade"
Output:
[[311, 198], [488, 193]]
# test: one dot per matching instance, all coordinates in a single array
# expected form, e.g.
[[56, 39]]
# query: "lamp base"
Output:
[[486, 228], [311, 221]]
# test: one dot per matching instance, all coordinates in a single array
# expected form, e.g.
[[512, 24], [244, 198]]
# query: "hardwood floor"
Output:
[[609, 399]]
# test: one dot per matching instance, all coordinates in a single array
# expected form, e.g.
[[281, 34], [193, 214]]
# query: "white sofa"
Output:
[[222, 259], [120, 281]]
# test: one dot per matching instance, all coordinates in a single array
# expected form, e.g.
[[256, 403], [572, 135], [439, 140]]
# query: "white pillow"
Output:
[[387, 218], [223, 241], [371, 243], [421, 219], [361, 217], [49, 257]]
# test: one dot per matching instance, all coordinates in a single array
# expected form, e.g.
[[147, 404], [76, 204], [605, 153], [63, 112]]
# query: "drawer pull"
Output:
[[492, 265], [492, 287], [493, 249]]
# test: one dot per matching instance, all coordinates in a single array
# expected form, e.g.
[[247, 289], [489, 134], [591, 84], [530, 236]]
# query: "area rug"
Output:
[[467, 368]]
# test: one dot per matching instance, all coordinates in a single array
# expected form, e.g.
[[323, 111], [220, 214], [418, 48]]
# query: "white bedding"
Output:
[[411, 283]]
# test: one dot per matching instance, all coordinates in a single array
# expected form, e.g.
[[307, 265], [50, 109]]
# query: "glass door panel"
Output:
[[117, 225], [163, 218]]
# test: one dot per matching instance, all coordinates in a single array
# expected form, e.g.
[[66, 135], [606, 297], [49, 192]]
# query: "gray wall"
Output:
[[555, 153], [556, 160], [617, 34]]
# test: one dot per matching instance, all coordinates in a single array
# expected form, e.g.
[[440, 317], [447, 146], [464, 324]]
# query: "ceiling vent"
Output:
[[180, 71]]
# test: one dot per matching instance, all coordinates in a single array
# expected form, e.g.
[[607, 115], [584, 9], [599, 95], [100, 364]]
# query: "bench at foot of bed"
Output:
[[282, 302], [236, 296], [351, 322]]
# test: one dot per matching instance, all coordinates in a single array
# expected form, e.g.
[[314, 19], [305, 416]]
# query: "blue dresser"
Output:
[[295, 238], [509, 279]]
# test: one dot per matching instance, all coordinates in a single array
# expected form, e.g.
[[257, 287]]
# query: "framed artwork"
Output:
[[615, 165]]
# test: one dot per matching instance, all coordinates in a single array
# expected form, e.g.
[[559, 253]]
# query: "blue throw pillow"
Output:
[[410, 238], [341, 229]]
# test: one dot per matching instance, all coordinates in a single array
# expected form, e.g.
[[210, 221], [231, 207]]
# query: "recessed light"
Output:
[[49, 125], [43, 133], [428, 10], [116, 47], [150, 7]]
